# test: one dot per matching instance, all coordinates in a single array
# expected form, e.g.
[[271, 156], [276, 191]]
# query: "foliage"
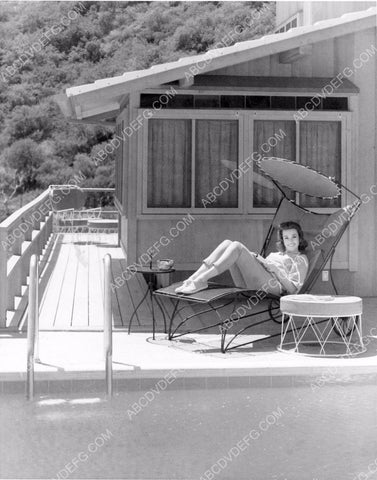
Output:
[[38, 146]]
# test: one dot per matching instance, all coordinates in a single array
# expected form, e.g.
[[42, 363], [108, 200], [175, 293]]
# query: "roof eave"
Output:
[[107, 89]]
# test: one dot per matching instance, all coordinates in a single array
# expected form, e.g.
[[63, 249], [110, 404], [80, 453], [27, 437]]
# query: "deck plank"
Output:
[[80, 317], [95, 288], [119, 296], [137, 287], [50, 300], [107, 245], [74, 294], [63, 317]]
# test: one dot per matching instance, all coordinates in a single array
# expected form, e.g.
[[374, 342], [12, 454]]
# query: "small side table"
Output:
[[150, 276], [318, 316]]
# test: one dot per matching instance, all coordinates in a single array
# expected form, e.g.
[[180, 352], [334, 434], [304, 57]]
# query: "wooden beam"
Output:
[[78, 112], [186, 82], [106, 110], [124, 103], [93, 121], [64, 104], [295, 54]]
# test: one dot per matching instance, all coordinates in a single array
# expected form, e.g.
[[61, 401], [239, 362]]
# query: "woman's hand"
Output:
[[260, 259], [273, 268]]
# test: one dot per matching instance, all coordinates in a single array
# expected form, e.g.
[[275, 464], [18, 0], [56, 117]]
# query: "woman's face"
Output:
[[291, 240]]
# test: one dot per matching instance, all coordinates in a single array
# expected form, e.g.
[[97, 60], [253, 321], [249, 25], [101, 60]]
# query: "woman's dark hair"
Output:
[[287, 226]]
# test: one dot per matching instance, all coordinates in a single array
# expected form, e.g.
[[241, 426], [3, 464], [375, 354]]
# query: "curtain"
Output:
[[216, 156], [169, 163], [267, 144], [320, 148]]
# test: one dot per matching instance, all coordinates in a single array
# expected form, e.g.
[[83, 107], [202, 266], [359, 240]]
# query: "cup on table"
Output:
[[165, 264]]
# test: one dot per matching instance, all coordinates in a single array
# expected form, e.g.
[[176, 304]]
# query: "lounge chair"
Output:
[[323, 233]]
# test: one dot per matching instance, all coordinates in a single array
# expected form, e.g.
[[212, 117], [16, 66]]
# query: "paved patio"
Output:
[[78, 357]]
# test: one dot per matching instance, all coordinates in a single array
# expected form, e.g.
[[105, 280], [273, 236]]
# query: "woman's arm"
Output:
[[298, 277], [291, 281], [282, 276], [260, 259]]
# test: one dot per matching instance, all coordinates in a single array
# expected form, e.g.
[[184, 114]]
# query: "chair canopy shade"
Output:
[[298, 177]]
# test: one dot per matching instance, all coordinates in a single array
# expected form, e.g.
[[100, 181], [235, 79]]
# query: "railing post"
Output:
[[3, 277], [36, 343], [108, 326], [31, 326]]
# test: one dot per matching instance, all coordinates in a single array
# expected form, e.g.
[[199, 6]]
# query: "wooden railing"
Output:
[[26, 232], [22, 234]]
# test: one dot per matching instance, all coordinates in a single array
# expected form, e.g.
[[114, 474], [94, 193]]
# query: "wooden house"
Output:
[[187, 134]]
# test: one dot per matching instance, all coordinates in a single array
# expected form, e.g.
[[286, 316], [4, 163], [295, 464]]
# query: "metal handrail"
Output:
[[32, 327], [108, 325]]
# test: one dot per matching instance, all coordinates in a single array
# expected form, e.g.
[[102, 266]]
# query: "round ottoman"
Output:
[[314, 320]]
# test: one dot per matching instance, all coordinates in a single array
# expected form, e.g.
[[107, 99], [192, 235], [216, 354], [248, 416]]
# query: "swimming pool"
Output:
[[282, 433]]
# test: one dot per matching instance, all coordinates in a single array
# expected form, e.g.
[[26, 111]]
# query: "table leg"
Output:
[[161, 310], [172, 317], [150, 288], [136, 309]]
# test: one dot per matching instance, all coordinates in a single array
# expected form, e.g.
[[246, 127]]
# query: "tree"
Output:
[[28, 121], [24, 157], [10, 183], [38, 146]]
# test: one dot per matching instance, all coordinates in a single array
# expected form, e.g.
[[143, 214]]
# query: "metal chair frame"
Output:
[[273, 302]]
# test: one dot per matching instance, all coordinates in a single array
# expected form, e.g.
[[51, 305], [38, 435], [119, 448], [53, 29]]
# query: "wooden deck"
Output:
[[71, 291], [71, 287]]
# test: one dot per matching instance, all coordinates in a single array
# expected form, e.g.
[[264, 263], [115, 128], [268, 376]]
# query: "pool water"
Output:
[[326, 433]]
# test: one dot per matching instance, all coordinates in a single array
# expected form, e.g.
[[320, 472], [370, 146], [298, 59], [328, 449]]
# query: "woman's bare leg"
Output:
[[245, 269], [224, 261], [212, 257]]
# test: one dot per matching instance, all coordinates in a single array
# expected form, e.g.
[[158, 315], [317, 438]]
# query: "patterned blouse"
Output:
[[292, 267]]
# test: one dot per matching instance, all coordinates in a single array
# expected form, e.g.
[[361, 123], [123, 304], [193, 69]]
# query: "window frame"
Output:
[[343, 117], [246, 145], [120, 164], [190, 115], [282, 28]]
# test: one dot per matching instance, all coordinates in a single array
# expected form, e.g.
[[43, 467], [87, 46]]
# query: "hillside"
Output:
[[46, 47]]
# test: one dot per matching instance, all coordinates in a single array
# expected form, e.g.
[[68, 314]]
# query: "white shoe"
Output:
[[178, 289], [192, 286]]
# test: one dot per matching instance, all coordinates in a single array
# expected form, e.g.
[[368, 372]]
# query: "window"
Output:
[[187, 158], [314, 143], [252, 102], [292, 22], [169, 163], [265, 194], [320, 148], [216, 154], [194, 160]]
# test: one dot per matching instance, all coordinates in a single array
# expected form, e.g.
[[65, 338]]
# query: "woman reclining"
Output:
[[279, 273]]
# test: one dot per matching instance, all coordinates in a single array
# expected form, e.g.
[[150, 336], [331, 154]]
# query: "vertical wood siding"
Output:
[[357, 249]]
